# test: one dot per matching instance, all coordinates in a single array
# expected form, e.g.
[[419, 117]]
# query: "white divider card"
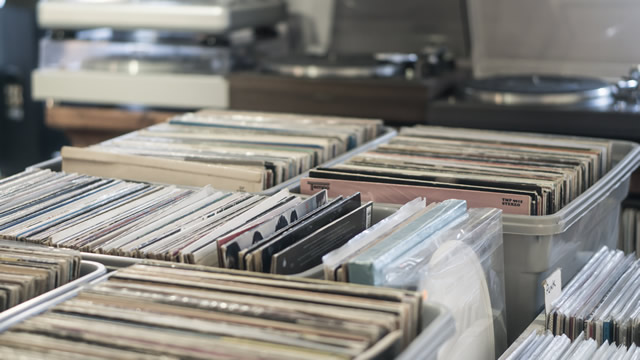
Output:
[[552, 289]]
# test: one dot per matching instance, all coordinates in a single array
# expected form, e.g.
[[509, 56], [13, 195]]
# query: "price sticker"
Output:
[[552, 289]]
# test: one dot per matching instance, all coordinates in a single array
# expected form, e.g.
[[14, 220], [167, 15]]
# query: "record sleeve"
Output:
[[308, 252], [327, 215], [381, 192]]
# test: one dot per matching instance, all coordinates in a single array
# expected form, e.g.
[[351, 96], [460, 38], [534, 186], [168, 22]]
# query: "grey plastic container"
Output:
[[89, 271], [535, 246], [436, 322]]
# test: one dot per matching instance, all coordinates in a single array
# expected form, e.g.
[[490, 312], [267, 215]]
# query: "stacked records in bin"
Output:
[[160, 310], [28, 270], [559, 347], [236, 151], [601, 301], [522, 174], [282, 233], [448, 252]]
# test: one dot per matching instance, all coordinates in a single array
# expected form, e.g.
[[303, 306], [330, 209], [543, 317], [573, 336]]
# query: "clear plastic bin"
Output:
[[535, 246], [436, 323], [89, 271]]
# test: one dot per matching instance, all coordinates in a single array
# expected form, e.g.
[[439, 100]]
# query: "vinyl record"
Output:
[[456, 279]]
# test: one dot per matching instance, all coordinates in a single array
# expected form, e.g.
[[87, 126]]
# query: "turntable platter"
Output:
[[352, 66], [147, 64], [540, 90]]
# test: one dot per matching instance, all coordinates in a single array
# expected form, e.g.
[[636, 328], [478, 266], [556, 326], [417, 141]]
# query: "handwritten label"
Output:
[[552, 289]]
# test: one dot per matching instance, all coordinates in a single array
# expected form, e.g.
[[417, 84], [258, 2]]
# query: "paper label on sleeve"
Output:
[[552, 289]]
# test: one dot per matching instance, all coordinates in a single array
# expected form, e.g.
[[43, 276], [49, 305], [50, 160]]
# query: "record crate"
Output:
[[535, 246], [89, 272], [491, 260], [293, 184], [437, 324]]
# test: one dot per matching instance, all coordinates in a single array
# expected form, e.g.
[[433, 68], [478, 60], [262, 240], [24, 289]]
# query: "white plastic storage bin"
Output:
[[89, 271], [535, 246], [437, 324]]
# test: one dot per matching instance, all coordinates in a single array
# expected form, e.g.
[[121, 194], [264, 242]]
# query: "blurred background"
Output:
[[80, 71], [24, 138]]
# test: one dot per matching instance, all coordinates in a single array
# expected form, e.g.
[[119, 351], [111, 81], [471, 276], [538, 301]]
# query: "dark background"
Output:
[[25, 141]]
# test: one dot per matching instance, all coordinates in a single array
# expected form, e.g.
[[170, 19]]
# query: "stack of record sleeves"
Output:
[[522, 174], [230, 150], [179, 311], [282, 233], [392, 252], [28, 270], [601, 301], [549, 347]]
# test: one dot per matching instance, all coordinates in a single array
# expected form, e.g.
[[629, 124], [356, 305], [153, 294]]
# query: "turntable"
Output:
[[568, 105], [112, 66], [540, 90], [396, 87], [567, 74], [546, 66], [160, 53]]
